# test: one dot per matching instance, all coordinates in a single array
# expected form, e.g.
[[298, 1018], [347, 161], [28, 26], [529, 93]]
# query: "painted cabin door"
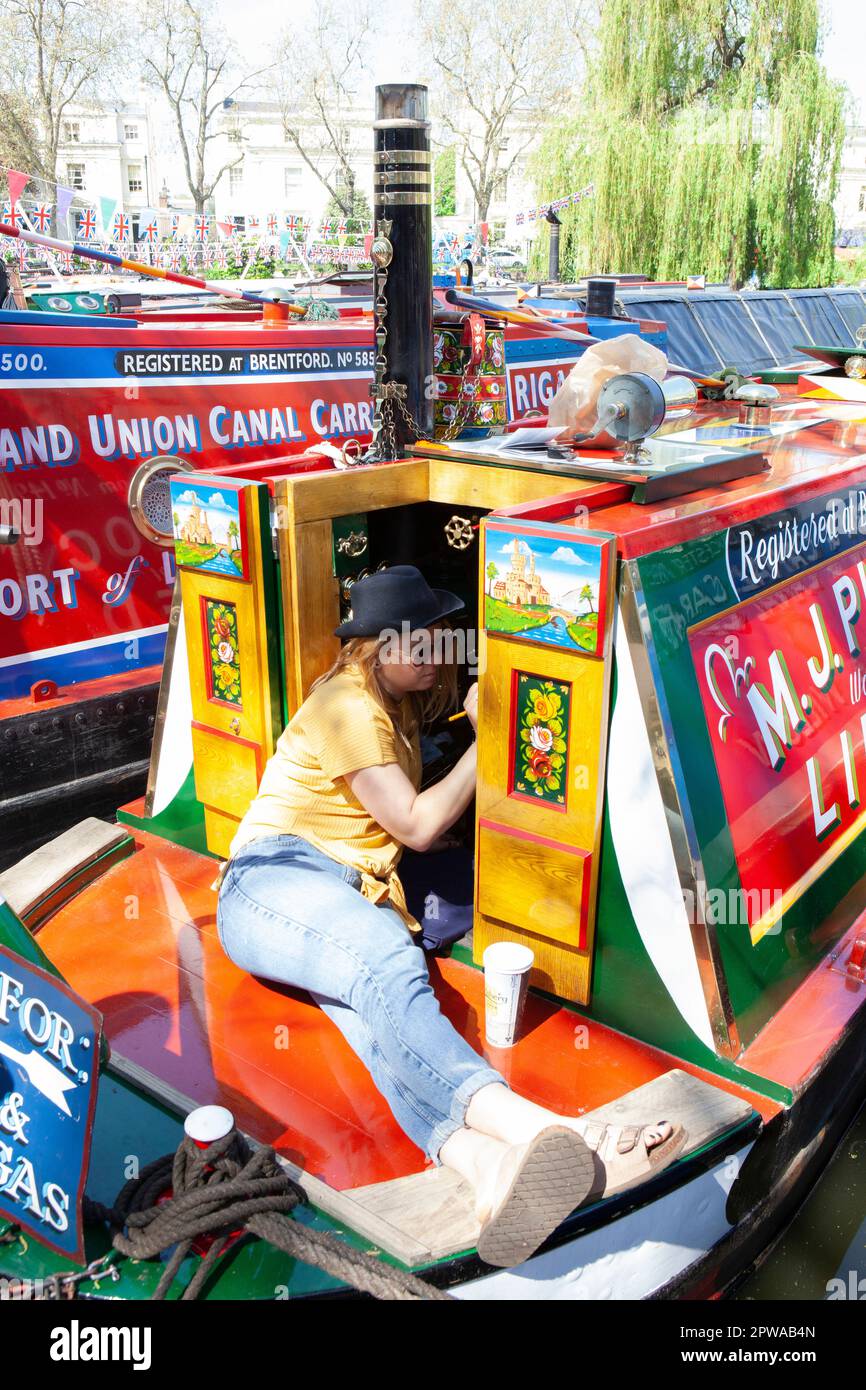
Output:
[[544, 690], [228, 588]]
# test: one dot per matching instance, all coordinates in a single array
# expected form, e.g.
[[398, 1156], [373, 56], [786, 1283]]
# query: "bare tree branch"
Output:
[[316, 79], [55, 53], [502, 70], [188, 59]]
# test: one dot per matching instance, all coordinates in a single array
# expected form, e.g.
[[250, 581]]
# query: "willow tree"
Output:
[[712, 136]]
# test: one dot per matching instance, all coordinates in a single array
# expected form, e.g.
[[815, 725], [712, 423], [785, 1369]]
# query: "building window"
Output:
[[233, 135], [72, 132], [292, 180], [75, 175], [135, 178], [130, 132], [236, 179]]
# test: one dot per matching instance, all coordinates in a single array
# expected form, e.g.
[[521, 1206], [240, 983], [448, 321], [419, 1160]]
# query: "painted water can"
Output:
[[469, 366]]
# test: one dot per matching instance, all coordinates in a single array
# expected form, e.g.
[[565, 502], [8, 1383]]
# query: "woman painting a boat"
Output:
[[311, 898]]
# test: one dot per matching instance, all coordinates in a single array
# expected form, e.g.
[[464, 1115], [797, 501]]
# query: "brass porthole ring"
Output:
[[149, 497]]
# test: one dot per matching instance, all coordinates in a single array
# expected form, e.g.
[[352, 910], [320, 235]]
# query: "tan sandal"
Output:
[[551, 1180], [622, 1157]]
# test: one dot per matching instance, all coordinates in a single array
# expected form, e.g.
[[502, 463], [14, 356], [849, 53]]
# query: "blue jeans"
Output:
[[290, 913]]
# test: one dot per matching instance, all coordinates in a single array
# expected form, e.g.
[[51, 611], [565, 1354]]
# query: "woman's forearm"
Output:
[[436, 809], [416, 819]]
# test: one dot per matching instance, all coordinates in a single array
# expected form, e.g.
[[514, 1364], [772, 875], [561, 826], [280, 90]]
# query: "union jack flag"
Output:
[[87, 225], [11, 215], [66, 260], [120, 227], [326, 226], [272, 224], [222, 258], [174, 262], [42, 217], [253, 224], [519, 219], [294, 224], [530, 216], [175, 223], [202, 227], [22, 255], [150, 231], [341, 227]]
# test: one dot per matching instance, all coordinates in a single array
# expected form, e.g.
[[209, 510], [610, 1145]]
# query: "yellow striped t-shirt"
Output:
[[339, 728]]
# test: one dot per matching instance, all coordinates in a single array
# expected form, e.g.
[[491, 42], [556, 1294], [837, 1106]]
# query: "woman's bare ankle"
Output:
[[478, 1159]]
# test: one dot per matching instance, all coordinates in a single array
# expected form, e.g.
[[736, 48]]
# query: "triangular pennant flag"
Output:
[[108, 207], [64, 199], [227, 228], [17, 181]]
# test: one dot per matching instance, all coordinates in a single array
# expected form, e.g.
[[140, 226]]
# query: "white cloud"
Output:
[[566, 556], [216, 499], [508, 548], [188, 496]]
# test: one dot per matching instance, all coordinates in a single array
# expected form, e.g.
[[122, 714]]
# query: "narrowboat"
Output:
[[689, 873], [97, 411]]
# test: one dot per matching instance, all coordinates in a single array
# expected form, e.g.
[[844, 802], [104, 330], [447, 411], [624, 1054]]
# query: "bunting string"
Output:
[[536, 214]]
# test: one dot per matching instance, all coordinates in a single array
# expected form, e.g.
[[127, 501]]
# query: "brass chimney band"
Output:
[[402, 157], [386, 178], [418, 200]]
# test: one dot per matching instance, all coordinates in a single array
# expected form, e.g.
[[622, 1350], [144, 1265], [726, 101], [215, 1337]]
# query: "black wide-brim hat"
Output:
[[395, 596]]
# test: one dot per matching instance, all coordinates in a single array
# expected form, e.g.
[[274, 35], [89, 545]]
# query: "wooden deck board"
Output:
[[435, 1207]]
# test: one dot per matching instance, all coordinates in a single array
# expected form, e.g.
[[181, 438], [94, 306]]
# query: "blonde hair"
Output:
[[362, 653]]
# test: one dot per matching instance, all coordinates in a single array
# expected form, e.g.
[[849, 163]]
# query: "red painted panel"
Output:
[[780, 691]]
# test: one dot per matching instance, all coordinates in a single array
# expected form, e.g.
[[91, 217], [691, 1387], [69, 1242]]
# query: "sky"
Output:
[[396, 56], [845, 49]]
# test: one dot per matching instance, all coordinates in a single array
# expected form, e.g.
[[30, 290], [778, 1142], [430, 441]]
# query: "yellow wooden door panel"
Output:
[[499, 659], [227, 770], [559, 969], [230, 621], [524, 880], [542, 732], [246, 718]]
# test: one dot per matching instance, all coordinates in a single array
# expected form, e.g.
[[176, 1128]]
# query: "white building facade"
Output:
[[110, 153], [851, 199], [129, 152]]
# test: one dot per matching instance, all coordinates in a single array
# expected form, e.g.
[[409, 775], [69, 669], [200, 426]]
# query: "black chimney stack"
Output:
[[553, 249], [403, 278]]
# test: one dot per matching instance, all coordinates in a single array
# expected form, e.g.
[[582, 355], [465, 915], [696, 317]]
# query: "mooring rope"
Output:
[[227, 1188]]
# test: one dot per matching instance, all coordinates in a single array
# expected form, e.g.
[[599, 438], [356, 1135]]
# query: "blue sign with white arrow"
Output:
[[49, 1068]]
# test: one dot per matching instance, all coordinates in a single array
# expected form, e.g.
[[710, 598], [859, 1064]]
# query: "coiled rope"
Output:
[[227, 1188]]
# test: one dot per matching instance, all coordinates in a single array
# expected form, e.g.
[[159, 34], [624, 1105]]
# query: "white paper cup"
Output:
[[506, 976]]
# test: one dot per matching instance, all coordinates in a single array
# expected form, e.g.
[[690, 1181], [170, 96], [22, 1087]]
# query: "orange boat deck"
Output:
[[141, 944]]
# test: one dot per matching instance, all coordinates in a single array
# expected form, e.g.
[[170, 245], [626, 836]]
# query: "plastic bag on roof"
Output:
[[574, 407]]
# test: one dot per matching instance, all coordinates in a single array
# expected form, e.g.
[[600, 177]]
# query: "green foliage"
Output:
[[851, 272], [445, 181], [713, 139], [355, 203], [238, 252]]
